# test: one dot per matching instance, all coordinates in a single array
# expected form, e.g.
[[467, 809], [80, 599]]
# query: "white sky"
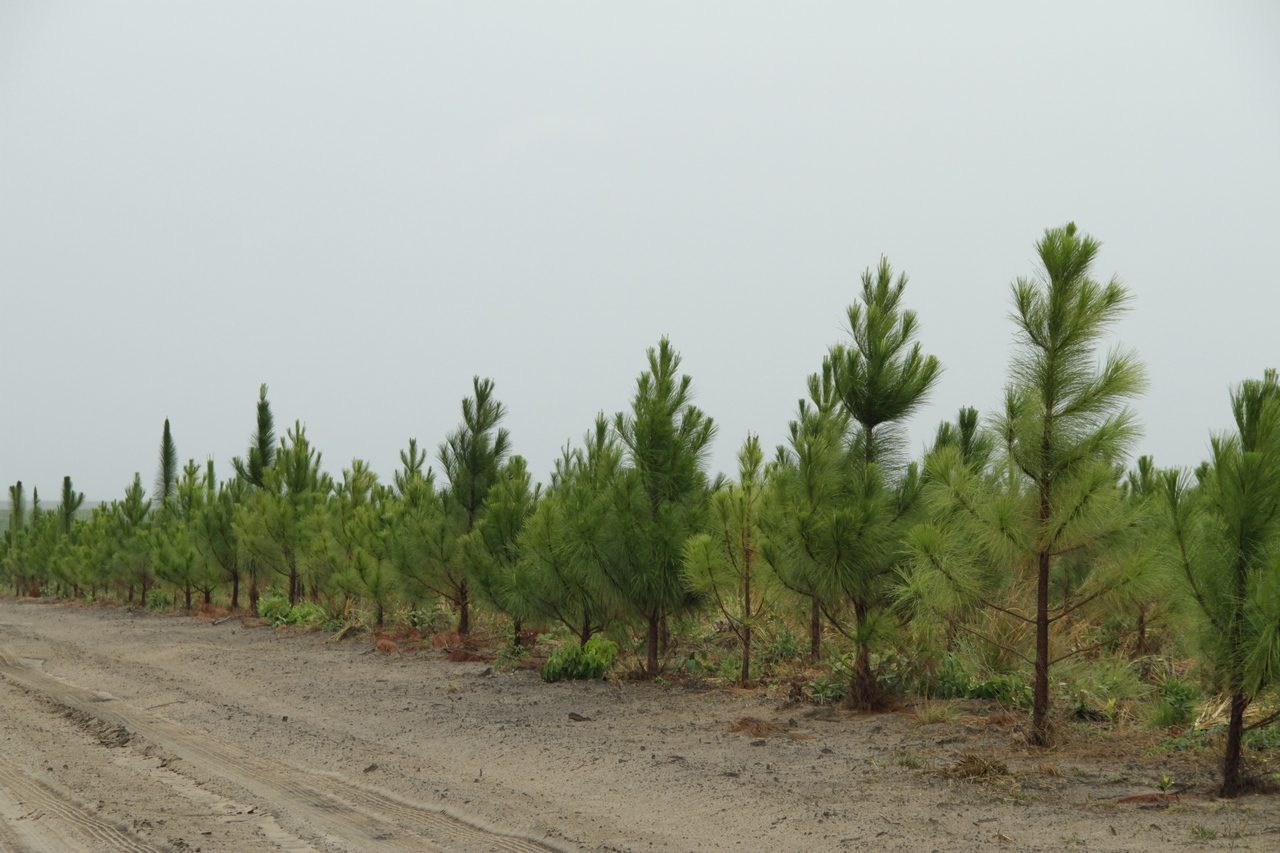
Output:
[[364, 204]]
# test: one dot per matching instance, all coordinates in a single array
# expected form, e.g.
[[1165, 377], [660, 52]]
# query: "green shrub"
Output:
[[305, 613], [1005, 689], [158, 600], [1175, 704], [783, 647], [580, 662], [274, 608], [430, 620], [825, 690]]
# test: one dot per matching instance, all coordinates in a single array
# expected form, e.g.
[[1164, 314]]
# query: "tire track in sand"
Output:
[[338, 811]]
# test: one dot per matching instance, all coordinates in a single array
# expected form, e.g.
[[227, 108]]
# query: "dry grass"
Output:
[[970, 765], [755, 727]]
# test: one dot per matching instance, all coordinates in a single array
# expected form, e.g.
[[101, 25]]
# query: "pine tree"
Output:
[[565, 549], [804, 479], [17, 507], [471, 457], [272, 525], [1006, 543], [67, 509], [726, 565], [1227, 537], [167, 475], [492, 548], [262, 444], [660, 500]]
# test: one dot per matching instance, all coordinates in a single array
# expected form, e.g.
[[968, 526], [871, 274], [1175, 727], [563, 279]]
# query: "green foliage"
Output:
[[274, 607], [725, 565], [429, 620], [167, 473], [827, 690], [305, 613], [1175, 703], [580, 662], [1051, 503], [1227, 536], [159, 601], [660, 500], [781, 646]]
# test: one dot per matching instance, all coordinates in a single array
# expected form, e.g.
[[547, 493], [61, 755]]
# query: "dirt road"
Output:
[[130, 732]]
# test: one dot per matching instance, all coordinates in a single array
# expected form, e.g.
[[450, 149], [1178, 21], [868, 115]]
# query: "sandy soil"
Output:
[[132, 732]]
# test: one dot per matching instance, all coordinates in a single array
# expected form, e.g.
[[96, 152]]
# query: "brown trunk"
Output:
[[379, 617], [815, 630], [464, 610], [864, 690], [293, 585], [130, 599], [1040, 701], [235, 590], [515, 633], [1141, 645], [144, 590], [664, 637], [746, 655], [253, 594], [585, 633], [1235, 738], [186, 595], [651, 665], [208, 595]]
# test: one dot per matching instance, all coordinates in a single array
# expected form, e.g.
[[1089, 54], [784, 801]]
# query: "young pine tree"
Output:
[[1227, 537], [1003, 543], [471, 457], [566, 542], [661, 499], [726, 565], [493, 547], [167, 472]]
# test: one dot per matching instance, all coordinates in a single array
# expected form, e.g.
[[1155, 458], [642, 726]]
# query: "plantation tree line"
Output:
[[1024, 539]]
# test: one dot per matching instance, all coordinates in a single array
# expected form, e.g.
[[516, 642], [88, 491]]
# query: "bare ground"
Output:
[[129, 732]]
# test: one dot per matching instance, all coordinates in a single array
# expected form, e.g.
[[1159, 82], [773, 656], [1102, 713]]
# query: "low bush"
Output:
[[159, 600], [1175, 703], [581, 662], [274, 608]]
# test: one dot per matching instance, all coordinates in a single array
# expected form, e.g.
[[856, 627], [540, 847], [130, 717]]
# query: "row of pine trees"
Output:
[[1020, 532]]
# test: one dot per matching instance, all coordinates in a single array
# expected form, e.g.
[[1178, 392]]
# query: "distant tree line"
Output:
[[1025, 533]]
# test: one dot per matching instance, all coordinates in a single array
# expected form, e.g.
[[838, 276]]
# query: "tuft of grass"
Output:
[[1203, 833], [928, 713]]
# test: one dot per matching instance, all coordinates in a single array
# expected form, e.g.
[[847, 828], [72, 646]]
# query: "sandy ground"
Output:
[[132, 732]]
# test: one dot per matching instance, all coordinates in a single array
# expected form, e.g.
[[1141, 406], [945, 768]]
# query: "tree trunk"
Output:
[[664, 637], [746, 655], [293, 585], [815, 631], [1040, 701], [208, 595], [235, 590], [585, 633], [515, 633], [464, 610], [1235, 738], [864, 690], [651, 665], [186, 592], [1141, 646], [253, 594], [144, 590], [379, 617]]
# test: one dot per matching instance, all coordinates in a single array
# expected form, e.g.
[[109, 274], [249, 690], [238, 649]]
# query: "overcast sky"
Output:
[[364, 204]]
